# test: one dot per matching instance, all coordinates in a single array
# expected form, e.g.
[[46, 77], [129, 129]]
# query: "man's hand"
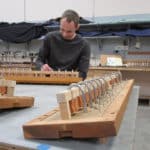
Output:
[[46, 67]]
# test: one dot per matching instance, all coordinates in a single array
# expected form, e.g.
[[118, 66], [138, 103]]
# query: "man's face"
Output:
[[67, 29]]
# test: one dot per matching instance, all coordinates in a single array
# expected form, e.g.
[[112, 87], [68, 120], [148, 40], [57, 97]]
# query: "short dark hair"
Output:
[[71, 15]]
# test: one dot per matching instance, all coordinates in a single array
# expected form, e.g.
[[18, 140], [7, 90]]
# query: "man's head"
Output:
[[69, 23]]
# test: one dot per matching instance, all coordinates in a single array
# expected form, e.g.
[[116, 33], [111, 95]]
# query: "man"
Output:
[[64, 49]]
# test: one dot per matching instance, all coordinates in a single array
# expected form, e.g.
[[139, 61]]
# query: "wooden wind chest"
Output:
[[94, 123]]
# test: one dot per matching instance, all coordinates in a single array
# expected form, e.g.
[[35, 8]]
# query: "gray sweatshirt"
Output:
[[61, 54]]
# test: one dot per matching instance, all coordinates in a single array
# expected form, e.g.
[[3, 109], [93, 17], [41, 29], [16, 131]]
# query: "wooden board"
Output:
[[54, 80], [41, 77], [7, 102], [83, 125]]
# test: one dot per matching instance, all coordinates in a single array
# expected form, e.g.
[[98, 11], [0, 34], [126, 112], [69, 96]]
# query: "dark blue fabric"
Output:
[[89, 34], [24, 32], [130, 32], [133, 32]]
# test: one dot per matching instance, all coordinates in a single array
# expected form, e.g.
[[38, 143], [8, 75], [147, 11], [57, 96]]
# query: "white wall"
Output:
[[11, 10], [121, 7], [34, 10], [47, 9]]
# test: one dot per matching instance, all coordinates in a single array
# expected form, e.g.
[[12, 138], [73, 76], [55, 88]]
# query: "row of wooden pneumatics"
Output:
[[40, 77], [97, 104]]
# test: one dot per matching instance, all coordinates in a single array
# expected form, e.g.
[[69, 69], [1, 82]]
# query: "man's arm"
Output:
[[84, 61], [42, 59]]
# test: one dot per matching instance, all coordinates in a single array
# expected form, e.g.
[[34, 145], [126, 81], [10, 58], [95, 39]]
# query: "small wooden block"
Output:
[[7, 102], [10, 91]]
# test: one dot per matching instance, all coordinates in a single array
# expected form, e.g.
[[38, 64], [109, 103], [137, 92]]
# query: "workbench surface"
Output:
[[11, 121]]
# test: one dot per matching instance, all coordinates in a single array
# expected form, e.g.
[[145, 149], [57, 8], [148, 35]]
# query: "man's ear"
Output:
[[77, 28]]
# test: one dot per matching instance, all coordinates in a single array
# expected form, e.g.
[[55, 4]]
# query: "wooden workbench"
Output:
[[11, 134]]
